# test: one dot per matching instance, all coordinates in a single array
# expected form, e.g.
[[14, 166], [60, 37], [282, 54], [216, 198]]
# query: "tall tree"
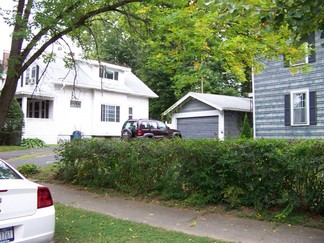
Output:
[[203, 46], [186, 42], [39, 23]]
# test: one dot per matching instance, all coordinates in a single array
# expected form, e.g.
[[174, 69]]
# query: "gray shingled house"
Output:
[[291, 106], [199, 115]]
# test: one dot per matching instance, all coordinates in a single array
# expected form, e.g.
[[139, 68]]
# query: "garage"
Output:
[[198, 127], [199, 115]]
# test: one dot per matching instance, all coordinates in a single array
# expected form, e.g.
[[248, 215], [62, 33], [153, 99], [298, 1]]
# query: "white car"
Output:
[[27, 213]]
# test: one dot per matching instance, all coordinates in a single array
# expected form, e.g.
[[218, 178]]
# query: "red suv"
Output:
[[147, 128]]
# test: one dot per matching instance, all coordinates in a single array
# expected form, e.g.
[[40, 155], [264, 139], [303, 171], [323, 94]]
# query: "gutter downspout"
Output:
[[253, 102]]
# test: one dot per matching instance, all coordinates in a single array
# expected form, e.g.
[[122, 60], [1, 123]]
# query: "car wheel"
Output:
[[126, 134]]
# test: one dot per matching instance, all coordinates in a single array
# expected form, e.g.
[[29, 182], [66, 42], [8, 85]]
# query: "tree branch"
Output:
[[76, 24]]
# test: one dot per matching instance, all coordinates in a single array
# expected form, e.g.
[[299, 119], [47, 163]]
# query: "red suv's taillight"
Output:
[[139, 133], [44, 198]]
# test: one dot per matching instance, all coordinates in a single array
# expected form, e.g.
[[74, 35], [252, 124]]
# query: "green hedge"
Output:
[[258, 173]]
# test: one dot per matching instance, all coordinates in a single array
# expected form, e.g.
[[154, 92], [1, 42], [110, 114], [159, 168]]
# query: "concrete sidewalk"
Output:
[[216, 226]]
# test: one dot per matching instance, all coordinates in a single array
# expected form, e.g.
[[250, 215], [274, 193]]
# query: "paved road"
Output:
[[40, 157]]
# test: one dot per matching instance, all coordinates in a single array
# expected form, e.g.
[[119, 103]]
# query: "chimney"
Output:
[[5, 60]]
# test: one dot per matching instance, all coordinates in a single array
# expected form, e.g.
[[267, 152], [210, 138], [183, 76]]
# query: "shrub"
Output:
[[258, 173], [32, 143], [246, 128], [28, 169], [11, 132]]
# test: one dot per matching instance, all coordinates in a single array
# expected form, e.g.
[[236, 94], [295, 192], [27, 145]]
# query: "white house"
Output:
[[199, 115], [94, 98]]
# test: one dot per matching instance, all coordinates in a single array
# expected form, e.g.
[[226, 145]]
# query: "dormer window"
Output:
[[310, 43], [31, 76], [108, 74]]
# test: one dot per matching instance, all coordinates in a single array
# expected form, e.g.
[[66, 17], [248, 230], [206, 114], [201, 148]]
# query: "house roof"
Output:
[[86, 75], [219, 102]]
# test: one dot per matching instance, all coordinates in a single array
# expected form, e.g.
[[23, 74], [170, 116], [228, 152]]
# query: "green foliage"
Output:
[[11, 131], [258, 173], [28, 169], [32, 143], [285, 212], [246, 129], [15, 118]]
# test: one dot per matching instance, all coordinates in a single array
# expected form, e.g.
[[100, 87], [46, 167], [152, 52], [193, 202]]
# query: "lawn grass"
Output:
[[4, 148], [11, 148], [78, 225]]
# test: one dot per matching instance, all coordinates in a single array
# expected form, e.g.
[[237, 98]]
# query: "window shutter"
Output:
[[286, 62], [37, 74], [22, 80], [287, 110], [101, 71], [311, 42], [312, 108], [116, 76], [102, 112], [117, 113]]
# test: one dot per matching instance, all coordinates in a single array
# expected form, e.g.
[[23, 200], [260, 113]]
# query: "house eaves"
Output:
[[86, 75], [35, 94], [219, 102], [107, 88]]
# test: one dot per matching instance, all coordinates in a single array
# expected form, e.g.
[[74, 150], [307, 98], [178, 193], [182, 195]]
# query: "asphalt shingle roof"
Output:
[[219, 102]]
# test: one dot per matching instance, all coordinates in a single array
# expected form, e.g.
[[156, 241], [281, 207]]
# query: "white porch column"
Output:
[[24, 110], [24, 106]]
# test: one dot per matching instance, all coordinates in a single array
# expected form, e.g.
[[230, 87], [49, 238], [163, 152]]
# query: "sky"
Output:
[[5, 30]]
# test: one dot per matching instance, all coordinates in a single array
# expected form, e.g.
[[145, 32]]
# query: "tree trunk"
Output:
[[6, 97], [15, 61]]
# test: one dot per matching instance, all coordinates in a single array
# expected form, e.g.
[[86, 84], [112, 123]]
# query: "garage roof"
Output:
[[219, 102]]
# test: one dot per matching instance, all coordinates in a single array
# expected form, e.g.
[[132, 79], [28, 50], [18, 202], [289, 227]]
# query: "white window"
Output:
[[27, 79], [104, 72], [38, 108], [110, 113], [30, 76], [301, 61], [75, 103], [130, 112], [309, 44], [300, 107]]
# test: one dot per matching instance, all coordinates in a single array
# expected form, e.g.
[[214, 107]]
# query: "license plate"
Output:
[[7, 234]]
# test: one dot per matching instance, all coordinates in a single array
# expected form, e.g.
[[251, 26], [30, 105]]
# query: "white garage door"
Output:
[[198, 127]]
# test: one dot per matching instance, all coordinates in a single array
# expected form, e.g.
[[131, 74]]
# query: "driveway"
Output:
[[39, 157]]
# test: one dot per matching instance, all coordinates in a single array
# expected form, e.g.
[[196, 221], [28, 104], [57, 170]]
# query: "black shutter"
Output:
[[116, 76], [101, 71], [286, 62], [287, 110], [312, 108], [37, 74], [22, 80], [311, 43], [102, 112]]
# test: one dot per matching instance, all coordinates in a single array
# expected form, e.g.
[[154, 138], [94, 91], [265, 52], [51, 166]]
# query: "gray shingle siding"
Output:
[[270, 88], [233, 123], [195, 105]]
